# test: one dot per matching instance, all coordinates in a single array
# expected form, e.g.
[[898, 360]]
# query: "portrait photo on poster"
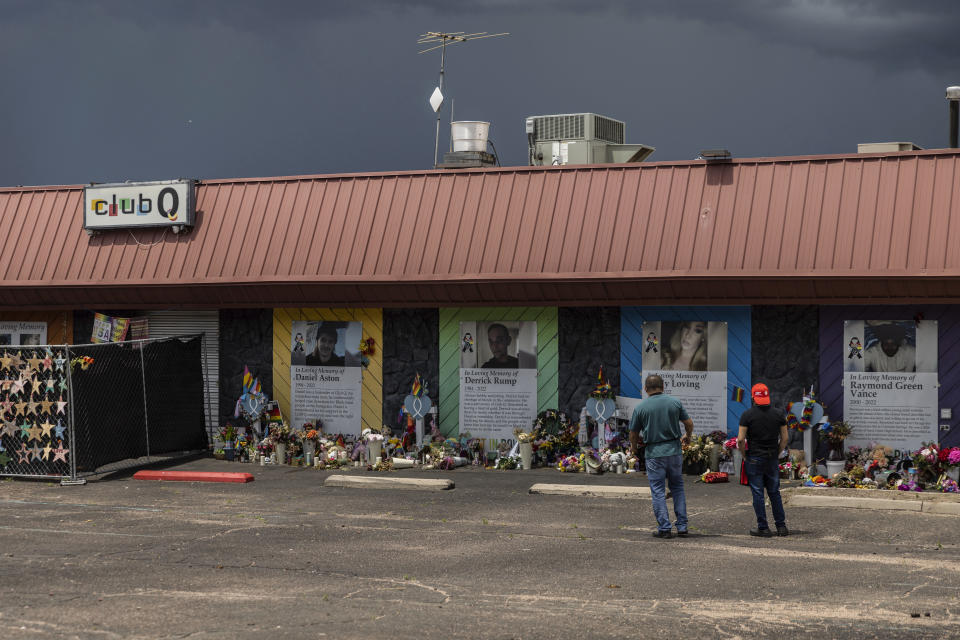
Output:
[[890, 346], [687, 345], [325, 343], [506, 344]]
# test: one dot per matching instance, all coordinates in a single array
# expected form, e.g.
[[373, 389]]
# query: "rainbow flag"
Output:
[[417, 389], [247, 379], [737, 395]]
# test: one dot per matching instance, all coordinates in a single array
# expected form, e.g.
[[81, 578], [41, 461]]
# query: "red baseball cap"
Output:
[[761, 395]]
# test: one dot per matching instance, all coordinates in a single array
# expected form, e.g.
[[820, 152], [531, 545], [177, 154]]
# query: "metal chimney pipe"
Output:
[[953, 95]]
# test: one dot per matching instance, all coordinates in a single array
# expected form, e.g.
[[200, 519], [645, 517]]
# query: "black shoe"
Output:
[[783, 531], [683, 534], [663, 534], [761, 533]]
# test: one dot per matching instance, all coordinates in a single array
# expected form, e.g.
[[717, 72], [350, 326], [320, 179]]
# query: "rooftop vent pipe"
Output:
[[953, 95]]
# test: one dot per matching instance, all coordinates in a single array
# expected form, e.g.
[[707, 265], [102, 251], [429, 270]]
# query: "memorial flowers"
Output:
[[227, 434]]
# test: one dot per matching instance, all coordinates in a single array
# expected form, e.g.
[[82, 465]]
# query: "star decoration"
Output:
[[46, 452], [63, 384], [59, 429], [51, 383], [60, 453], [61, 405], [45, 405], [36, 453], [46, 427], [5, 384], [4, 459], [15, 361], [23, 430], [47, 362], [6, 406], [16, 386], [10, 428], [23, 454], [60, 361], [21, 408], [6, 360], [32, 406], [34, 363], [33, 433]]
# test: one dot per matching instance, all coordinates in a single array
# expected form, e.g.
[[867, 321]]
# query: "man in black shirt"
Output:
[[762, 436]]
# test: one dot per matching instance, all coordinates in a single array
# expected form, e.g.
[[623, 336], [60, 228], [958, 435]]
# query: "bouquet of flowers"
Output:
[[227, 434], [281, 433], [726, 452], [523, 436], [719, 437], [712, 477], [367, 348], [696, 452], [835, 433], [569, 464]]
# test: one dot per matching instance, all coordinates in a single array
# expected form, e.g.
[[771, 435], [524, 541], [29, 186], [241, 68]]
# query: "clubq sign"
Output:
[[127, 205]]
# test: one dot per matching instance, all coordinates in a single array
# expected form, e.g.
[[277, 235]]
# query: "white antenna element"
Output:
[[436, 100]]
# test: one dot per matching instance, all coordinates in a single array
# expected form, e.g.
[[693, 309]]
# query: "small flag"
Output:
[[247, 379], [417, 389], [600, 375], [256, 386], [737, 395]]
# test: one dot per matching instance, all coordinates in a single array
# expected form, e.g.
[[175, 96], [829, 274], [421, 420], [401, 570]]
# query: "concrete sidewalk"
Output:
[[884, 500]]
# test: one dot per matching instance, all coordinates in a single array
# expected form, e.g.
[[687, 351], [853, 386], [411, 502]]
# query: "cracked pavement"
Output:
[[286, 557]]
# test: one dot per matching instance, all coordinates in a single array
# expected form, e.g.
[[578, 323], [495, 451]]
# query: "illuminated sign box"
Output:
[[127, 205]]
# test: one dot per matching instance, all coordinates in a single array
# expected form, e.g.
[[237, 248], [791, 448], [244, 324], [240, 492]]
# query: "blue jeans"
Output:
[[668, 469], [763, 473]]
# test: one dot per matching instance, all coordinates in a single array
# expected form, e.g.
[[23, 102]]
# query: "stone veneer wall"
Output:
[[786, 353], [246, 338], [589, 337], [410, 345]]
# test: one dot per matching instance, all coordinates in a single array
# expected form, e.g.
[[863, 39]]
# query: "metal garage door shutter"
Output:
[[166, 324]]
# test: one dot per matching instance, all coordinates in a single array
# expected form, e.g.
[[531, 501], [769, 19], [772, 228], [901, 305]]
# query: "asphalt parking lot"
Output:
[[286, 556]]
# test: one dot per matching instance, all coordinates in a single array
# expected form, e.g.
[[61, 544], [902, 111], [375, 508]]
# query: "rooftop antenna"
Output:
[[433, 37]]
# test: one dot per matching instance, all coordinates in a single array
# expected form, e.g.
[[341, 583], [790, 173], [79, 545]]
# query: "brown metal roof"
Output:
[[805, 229]]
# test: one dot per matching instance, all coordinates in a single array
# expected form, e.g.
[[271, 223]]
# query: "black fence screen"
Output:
[[71, 411]]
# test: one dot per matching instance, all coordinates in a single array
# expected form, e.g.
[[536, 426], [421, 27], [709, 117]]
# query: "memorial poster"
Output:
[[691, 357], [326, 376], [890, 382], [498, 379], [23, 333]]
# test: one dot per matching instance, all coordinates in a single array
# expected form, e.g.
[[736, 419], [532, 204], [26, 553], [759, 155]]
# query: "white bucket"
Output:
[[469, 135], [373, 450]]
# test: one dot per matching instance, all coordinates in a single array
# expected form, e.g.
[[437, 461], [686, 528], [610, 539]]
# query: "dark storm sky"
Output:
[[128, 89]]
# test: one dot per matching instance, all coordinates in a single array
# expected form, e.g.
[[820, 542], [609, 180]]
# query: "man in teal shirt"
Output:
[[657, 419]]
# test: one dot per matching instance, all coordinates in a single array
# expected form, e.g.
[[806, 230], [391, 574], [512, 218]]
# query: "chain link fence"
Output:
[[74, 411]]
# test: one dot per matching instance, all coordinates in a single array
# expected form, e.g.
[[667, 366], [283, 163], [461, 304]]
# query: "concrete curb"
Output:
[[389, 482], [592, 491], [885, 504]]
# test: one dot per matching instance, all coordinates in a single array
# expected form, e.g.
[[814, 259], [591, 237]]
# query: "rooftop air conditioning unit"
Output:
[[580, 138]]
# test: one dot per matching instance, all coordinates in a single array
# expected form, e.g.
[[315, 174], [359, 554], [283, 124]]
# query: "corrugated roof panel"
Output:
[[805, 255], [652, 229], [940, 217], [952, 258], [903, 215], [867, 203]]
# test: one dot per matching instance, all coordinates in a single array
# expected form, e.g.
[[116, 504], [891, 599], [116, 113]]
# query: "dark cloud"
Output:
[[130, 89]]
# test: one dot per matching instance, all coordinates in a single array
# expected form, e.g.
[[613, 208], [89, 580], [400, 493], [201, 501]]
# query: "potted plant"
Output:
[[227, 435], [525, 440], [835, 434], [695, 456], [281, 436]]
